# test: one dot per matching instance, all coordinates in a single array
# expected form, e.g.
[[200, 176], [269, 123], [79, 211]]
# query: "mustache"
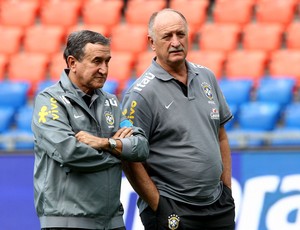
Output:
[[176, 50]]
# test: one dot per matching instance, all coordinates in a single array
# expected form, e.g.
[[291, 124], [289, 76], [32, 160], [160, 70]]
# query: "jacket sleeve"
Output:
[[54, 136], [135, 148]]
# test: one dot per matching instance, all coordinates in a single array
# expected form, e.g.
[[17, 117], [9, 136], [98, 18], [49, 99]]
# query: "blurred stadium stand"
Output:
[[253, 46]]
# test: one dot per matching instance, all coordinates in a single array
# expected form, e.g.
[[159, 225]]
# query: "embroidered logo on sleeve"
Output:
[[53, 111], [130, 114]]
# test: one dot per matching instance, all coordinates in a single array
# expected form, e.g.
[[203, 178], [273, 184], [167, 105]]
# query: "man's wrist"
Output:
[[112, 144]]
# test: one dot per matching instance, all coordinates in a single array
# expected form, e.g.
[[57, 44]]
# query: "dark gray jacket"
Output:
[[74, 184]]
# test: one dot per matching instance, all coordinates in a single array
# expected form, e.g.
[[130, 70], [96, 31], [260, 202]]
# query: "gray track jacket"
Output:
[[74, 184]]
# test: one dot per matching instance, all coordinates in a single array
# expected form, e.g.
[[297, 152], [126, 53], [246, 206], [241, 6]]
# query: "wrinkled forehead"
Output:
[[168, 20]]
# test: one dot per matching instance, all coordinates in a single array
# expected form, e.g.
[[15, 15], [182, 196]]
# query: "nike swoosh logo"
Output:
[[77, 116], [168, 106]]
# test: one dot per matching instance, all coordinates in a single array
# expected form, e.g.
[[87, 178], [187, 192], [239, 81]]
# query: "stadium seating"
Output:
[[19, 13], [289, 133], [94, 27], [6, 116], [293, 36], [291, 115], [28, 67], [259, 116], [13, 94], [246, 64], [275, 11], [105, 13], [111, 86], [252, 46], [138, 12], [23, 118], [239, 12], [20, 136], [143, 62], [195, 12], [35, 42], [278, 90], [285, 63], [236, 92], [212, 59], [133, 42], [56, 66], [262, 36], [60, 13], [210, 34], [120, 67], [10, 39], [255, 121], [43, 85]]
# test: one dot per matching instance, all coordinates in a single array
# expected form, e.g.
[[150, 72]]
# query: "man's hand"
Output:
[[123, 132], [89, 139], [102, 143]]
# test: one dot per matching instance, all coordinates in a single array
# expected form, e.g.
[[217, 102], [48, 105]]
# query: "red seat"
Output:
[[129, 38], [246, 64], [139, 12], [143, 61], [28, 67], [10, 39], [121, 67], [222, 37], [285, 63], [56, 66], [293, 36], [35, 42], [93, 27], [60, 13], [262, 36], [275, 11], [233, 11], [18, 13], [213, 60], [195, 12], [106, 13]]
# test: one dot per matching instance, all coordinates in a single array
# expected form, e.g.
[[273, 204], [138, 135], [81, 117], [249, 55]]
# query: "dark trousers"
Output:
[[173, 215]]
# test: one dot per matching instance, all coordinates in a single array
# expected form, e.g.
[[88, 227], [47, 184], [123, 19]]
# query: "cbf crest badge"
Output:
[[109, 119], [207, 90], [173, 221]]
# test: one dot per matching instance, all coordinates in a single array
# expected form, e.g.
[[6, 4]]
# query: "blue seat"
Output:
[[278, 90], [43, 85], [289, 133], [6, 117], [291, 115], [255, 121], [23, 118], [236, 91], [111, 86], [259, 116], [13, 94]]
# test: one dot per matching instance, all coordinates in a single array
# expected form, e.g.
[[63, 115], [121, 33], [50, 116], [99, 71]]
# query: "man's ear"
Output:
[[151, 43], [71, 60]]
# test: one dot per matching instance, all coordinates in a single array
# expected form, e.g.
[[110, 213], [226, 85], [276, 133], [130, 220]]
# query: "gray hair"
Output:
[[154, 15], [77, 41]]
